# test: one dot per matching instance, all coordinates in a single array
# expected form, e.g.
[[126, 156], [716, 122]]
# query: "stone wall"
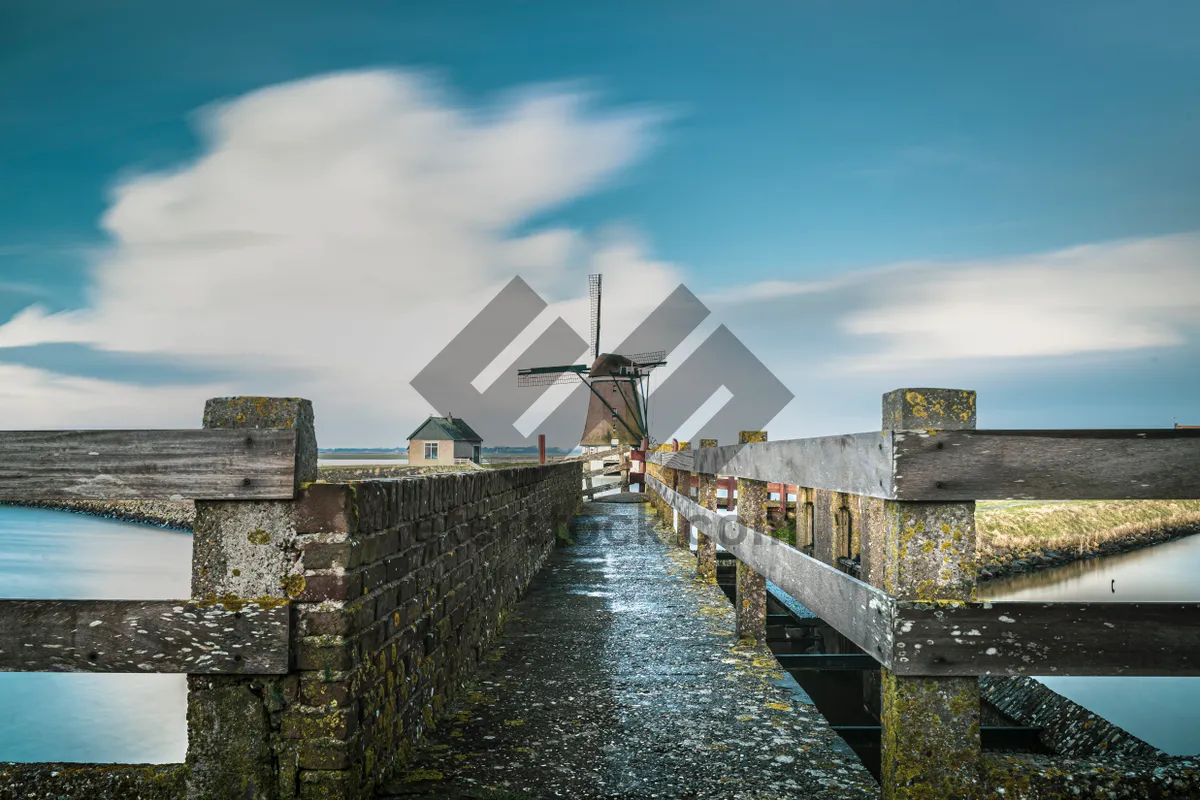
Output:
[[406, 583]]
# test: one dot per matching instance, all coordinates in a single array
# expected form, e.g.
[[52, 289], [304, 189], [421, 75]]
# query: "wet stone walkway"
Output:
[[619, 676]]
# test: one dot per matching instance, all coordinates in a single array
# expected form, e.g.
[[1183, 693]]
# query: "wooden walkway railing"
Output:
[[901, 501], [235, 627]]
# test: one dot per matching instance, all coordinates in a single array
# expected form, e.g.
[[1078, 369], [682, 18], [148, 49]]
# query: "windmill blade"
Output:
[[594, 282], [550, 376], [547, 378], [648, 361]]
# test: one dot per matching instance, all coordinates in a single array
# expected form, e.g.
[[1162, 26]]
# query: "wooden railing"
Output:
[[901, 502], [236, 624]]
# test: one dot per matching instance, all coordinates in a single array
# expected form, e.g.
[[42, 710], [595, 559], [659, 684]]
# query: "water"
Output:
[[81, 717], [1162, 711]]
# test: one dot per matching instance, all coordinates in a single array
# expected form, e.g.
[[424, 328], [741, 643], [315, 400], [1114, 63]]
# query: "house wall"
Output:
[[416, 452], [464, 449]]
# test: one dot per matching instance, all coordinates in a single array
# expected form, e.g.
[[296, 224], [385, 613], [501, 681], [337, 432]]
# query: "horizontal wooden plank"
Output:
[[858, 611], [1159, 464], [856, 463], [1048, 639], [682, 460], [148, 465], [143, 636], [950, 466]]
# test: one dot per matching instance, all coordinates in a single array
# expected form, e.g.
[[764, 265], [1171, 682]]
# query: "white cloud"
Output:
[[344, 228], [1098, 298], [34, 399]]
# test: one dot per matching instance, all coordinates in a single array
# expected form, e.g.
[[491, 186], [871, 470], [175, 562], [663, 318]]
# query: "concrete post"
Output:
[[930, 744], [706, 547], [751, 587], [804, 517], [682, 483], [245, 550], [645, 448]]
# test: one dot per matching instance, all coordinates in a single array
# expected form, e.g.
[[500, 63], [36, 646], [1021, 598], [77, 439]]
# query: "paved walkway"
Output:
[[619, 676]]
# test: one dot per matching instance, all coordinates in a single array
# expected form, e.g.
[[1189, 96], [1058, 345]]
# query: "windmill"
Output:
[[618, 408]]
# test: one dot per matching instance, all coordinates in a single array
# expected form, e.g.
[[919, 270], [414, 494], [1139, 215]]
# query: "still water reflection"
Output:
[[1162, 711], [72, 717]]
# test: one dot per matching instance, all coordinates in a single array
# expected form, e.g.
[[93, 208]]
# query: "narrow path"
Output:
[[619, 676]]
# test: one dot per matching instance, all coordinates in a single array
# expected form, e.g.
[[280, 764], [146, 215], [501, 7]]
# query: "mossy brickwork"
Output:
[[930, 738], [407, 583], [751, 599]]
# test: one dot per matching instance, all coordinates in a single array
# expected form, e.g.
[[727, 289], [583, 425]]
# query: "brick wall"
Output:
[[406, 583]]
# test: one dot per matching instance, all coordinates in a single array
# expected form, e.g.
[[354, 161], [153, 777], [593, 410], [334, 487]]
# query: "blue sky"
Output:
[[738, 145]]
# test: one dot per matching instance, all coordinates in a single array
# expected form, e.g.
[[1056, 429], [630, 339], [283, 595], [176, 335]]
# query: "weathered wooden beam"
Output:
[[143, 636], [148, 465], [1048, 465], [934, 465], [856, 463], [861, 613], [1047, 639], [682, 460]]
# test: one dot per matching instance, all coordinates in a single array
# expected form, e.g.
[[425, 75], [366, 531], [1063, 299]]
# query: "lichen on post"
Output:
[[930, 742], [706, 546], [681, 482], [244, 550], [751, 587]]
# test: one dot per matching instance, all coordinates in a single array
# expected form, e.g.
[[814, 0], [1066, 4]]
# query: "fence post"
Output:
[[681, 482], [541, 448], [706, 546], [751, 586], [930, 742], [246, 551]]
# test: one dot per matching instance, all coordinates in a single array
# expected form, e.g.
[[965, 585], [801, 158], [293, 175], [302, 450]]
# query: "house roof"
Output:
[[443, 428]]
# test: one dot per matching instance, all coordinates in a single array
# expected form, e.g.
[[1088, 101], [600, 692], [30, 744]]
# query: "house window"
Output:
[[431, 450]]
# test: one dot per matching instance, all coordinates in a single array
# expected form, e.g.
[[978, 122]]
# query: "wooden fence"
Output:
[[901, 502], [234, 629]]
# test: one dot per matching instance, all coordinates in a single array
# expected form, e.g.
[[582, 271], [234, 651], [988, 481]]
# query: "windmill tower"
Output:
[[618, 404]]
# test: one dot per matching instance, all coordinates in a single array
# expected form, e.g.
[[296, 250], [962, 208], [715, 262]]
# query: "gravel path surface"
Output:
[[619, 676]]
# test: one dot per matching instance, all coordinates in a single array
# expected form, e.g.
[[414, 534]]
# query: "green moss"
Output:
[[258, 536], [231, 602], [293, 585]]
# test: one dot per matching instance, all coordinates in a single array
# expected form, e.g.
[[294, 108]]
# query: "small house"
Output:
[[443, 440]]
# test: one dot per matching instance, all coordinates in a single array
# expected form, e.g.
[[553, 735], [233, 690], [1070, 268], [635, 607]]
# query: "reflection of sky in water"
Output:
[[102, 717], [1160, 710]]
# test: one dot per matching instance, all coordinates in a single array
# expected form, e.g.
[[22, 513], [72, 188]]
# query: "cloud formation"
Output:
[[337, 231], [333, 234], [1111, 297]]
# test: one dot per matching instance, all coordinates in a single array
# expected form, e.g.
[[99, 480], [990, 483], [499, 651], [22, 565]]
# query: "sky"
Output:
[[312, 199]]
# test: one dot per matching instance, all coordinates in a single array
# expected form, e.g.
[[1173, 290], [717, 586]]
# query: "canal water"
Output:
[[1162, 711], [75, 717]]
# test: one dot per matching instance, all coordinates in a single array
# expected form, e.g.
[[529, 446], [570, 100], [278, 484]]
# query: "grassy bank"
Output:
[[1019, 535]]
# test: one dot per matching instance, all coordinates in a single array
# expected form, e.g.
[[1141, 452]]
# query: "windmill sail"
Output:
[[617, 407], [594, 286]]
